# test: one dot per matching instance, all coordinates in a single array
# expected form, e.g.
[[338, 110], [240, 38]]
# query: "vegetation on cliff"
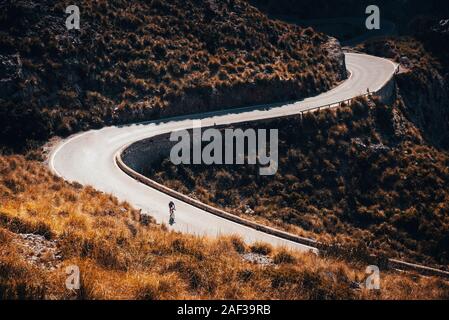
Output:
[[423, 83], [136, 60]]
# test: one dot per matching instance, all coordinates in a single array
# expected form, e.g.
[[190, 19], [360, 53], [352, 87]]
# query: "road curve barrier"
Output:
[[392, 263], [223, 214]]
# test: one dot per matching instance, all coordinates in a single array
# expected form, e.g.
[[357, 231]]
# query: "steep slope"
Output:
[[47, 225], [136, 60], [424, 83]]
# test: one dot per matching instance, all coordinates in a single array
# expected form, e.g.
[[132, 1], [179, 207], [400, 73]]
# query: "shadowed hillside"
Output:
[[136, 60], [47, 225], [360, 175]]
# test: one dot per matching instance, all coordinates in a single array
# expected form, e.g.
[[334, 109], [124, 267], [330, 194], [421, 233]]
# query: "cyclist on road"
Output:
[[172, 208]]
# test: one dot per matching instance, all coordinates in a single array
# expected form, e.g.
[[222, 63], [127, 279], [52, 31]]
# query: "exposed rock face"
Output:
[[39, 251], [10, 71], [425, 89], [10, 66], [376, 148], [257, 259], [335, 51], [427, 103]]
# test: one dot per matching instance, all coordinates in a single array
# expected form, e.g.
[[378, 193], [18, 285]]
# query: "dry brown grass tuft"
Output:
[[261, 248], [284, 257], [121, 258]]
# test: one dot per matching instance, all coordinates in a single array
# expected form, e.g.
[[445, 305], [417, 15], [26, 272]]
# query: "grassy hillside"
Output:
[[378, 172], [424, 84], [136, 60], [47, 224], [360, 175]]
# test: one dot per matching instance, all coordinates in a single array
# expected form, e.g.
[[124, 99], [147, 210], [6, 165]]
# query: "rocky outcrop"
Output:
[[261, 91], [336, 53]]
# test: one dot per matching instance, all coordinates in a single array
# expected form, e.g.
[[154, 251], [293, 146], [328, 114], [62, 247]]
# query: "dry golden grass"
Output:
[[122, 258]]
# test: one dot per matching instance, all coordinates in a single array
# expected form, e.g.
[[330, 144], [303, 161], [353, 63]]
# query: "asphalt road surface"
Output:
[[88, 158]]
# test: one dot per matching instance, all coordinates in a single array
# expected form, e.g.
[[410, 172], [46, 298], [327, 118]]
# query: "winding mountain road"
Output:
[[88, 158]]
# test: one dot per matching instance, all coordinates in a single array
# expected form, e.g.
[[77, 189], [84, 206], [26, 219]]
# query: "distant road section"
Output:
[[88, 158]]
